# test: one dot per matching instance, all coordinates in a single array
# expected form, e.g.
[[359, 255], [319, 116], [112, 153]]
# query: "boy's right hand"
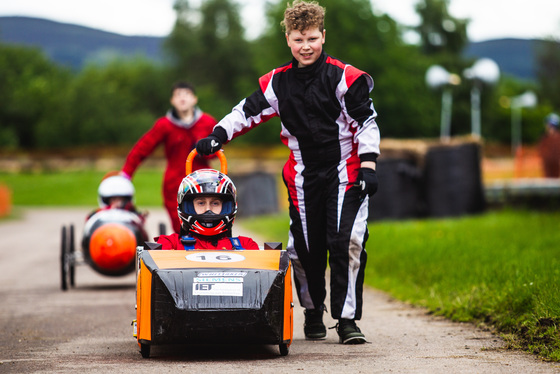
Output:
[[212, 143], [208, 145]]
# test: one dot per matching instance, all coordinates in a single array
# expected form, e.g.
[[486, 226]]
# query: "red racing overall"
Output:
[[178, 140], [173, 241]]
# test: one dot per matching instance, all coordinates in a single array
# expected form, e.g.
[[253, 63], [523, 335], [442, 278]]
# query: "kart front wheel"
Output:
[[284, 349], [145, 350]]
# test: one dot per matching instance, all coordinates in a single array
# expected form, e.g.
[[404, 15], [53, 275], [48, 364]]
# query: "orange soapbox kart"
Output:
[[213, 296], [108, 244]]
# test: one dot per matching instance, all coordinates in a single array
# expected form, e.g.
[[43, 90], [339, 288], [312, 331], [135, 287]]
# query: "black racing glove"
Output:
[[208, 145], [212, 143], [367, 181]]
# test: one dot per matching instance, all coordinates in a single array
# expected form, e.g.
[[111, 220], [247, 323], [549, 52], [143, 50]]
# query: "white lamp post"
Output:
[[525, 100], [483, 71], [437, 76]]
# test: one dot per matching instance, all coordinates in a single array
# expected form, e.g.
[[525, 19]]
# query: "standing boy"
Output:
[[328, 122], [183, 124]]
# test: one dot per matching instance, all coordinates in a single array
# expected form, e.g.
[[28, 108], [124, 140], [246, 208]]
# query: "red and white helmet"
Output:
[[207, 182]]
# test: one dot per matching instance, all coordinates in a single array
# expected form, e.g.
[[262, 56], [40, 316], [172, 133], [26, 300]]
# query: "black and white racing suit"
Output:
[[328, 122]]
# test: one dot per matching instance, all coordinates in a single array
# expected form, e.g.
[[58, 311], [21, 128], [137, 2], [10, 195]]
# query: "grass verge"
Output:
[[501, 269], [76, 188]]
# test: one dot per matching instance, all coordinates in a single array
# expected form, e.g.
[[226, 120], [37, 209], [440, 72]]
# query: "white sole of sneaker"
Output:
[[354, 340]]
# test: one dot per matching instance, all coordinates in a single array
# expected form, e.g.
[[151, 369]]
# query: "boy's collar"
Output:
[[173, 117], [311, 68]]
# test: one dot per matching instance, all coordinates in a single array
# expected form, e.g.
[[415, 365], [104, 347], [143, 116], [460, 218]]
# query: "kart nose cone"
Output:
[[112, 246]]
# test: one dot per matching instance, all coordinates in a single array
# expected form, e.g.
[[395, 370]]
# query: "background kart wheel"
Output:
[[63, 261], [162, 228], [72, 249], [145, 350], [284, 349]]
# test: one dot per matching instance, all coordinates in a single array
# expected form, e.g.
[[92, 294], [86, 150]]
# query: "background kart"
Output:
[[108, 244]]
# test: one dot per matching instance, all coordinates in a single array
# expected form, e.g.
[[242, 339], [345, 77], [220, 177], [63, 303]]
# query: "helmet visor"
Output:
[[187, 206]]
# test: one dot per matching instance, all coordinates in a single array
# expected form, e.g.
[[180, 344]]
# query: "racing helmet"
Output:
[[206, 182], [115, 186]]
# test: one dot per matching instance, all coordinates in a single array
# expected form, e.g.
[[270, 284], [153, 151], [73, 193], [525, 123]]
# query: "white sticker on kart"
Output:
[[215, 257], [221, 274], [218, 280], [217, 289]]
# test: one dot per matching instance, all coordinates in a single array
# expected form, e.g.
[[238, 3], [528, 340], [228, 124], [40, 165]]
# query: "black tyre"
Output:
[[63, 262], [72, 249], [145, 350], [284, 349]]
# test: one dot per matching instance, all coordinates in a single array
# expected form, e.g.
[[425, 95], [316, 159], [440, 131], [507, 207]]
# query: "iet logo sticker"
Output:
[[217, 289]]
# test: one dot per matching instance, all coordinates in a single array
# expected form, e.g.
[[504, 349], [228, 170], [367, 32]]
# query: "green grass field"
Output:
[[501, 268], [78, 188]]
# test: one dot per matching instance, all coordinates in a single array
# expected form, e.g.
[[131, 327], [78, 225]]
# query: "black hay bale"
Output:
[[399, 195], [453, 181], [257, 193]]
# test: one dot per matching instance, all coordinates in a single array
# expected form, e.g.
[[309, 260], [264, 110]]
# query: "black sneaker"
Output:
[[314, 327], [349, 333]]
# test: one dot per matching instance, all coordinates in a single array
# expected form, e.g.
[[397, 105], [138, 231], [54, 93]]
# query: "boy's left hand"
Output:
[[367, 181]]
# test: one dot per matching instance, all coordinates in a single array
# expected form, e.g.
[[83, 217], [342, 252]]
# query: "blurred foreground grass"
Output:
[[501, 269]]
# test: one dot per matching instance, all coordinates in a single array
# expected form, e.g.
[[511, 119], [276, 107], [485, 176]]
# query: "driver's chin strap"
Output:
[[189, 242]]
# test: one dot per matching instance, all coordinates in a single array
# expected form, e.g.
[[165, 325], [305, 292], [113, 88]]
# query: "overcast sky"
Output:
[[490, 19]]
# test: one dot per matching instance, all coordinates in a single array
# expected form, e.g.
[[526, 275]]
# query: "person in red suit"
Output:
[[206, 206], [549, 147], [179, 130]]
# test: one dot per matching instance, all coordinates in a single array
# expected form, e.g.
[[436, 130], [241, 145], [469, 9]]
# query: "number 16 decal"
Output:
[[215, 257]]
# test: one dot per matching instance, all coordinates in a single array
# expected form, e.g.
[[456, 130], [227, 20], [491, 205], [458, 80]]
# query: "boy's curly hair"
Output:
[[302, 15]]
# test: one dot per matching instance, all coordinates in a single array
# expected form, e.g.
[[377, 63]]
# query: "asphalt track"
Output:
[[88, 328]]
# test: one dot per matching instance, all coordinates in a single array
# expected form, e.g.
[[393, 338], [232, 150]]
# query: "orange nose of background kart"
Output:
[[112, 246]]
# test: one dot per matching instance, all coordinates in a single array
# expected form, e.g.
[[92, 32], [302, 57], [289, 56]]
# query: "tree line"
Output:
[[47, 106]]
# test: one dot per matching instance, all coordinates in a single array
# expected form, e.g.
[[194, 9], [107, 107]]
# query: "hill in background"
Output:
[[515, 57], [74, 46]]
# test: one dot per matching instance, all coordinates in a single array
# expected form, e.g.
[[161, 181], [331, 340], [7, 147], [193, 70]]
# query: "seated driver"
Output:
[[206, 204], [116, 192]]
